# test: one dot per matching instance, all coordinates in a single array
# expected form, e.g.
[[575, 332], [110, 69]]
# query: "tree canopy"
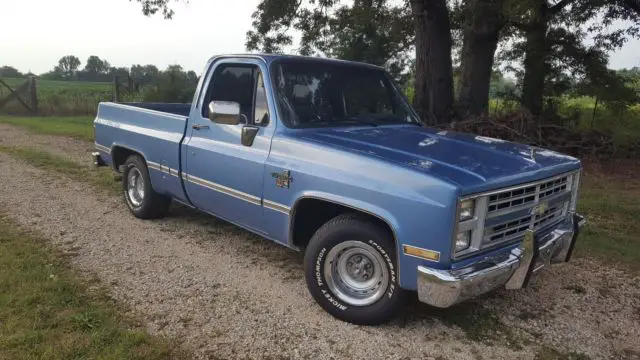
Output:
[[152, 7], [550, 45]]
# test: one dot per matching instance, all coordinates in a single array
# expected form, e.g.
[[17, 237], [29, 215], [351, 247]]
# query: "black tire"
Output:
[[359, 228], [152, 204]]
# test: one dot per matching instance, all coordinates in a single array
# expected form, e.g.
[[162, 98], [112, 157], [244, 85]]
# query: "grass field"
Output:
[[80, 127], [610, 203], [611, 206], [48, 312], [61, 97]]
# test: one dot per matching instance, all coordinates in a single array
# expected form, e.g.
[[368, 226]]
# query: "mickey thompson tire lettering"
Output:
[[353, 227], [392, 270], [320, 277], [319, 266], [333, 301]]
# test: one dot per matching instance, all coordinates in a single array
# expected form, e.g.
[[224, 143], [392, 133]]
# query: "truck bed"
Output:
[[181, 109], [154, 130]]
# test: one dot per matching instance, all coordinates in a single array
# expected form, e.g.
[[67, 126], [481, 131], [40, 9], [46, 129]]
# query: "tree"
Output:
[[151, 7], [482, 22], [95, 65], [172, 85], [67, 66], [434, 73], [563, 40], [121, 72], [372, 31], [10, 71]]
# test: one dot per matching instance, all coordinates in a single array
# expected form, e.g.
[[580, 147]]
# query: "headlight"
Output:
[[466, 209], [463, 240]]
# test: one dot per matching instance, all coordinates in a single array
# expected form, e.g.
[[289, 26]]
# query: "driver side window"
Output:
[[241, 83]]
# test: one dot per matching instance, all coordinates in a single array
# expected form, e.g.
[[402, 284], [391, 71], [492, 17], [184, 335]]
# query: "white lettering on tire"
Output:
[[392, 270], [333, 301], [319, 266], [320, 281]]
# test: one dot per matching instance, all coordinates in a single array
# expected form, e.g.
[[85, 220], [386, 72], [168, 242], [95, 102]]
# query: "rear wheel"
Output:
[[351, 270], [140, 197]]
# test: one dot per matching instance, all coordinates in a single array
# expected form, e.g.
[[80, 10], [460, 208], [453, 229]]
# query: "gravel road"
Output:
[[225, 293]]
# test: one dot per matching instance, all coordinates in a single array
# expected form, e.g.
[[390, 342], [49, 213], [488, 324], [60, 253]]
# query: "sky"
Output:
[[117, 31]]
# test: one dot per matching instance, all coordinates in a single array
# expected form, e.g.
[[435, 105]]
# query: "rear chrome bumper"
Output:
[[443, 288]]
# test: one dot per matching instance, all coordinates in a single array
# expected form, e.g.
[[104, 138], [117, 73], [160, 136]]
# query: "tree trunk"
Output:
[[434, 74], [481, 31], [535, 68]]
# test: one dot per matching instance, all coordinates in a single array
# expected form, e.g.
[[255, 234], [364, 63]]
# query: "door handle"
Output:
[[199, 126]]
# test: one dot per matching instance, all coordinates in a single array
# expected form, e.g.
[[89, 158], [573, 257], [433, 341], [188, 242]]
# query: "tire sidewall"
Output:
[[316, 259], [136, 162]]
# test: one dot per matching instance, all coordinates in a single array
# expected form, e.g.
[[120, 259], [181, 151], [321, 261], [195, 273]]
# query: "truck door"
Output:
[[221, 175]]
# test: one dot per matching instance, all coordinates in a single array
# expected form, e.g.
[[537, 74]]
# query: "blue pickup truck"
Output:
[[327, 157]]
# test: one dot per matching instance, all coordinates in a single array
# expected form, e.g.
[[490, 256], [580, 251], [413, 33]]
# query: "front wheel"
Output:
[[351, 270]]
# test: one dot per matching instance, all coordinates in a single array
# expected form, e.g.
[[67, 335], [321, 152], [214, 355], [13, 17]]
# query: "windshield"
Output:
[[315, 94]]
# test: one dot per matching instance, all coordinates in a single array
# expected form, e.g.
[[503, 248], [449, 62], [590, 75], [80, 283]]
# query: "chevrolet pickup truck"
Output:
[[328, 157]]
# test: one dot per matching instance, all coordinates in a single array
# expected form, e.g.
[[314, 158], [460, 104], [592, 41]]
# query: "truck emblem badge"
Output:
[[534, 150], [283, 179], [540, 209]]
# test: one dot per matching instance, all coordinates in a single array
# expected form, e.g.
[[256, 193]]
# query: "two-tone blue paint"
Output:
[[408, 176]]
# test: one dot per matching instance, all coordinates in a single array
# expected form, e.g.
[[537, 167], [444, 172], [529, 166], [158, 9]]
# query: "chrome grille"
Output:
[[504, 215], [526, 195], [514, 228], [525, 198]]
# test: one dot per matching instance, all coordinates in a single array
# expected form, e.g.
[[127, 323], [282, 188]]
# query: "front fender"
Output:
[[355, 204]]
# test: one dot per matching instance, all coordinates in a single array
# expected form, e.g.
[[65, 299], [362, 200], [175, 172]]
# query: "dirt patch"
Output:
[[68, 148], [227, 293]]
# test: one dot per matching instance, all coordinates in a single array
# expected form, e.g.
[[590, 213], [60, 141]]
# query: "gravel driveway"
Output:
[[226, 293]]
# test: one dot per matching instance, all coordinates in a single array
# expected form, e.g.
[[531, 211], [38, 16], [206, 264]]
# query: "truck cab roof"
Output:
[[270, 58]]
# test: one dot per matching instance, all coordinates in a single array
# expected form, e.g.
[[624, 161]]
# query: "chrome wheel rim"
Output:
[[135, 187], [356, 273]]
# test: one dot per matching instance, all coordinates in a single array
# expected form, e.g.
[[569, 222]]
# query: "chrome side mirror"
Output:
[[225, 112]]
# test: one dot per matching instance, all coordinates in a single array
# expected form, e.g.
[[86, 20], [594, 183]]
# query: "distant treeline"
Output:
[[95, 69], [140, 82]]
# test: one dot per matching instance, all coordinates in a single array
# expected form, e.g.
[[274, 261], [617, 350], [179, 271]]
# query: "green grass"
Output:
[[613, 230], [80, 127], [48, 312], [61, 97]]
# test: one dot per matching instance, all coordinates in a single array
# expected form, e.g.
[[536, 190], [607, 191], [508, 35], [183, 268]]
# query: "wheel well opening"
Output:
[[119, 155], [310, 214]]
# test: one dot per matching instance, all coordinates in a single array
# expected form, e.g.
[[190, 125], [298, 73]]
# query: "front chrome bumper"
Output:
[[443, 288]]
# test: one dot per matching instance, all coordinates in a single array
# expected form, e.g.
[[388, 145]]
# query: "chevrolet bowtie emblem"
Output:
[[540, 209]]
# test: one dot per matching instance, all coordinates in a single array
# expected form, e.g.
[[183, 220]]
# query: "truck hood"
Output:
[[474, 163]]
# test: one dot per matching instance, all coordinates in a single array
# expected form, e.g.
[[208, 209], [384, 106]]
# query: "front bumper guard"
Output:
[[444, 288]]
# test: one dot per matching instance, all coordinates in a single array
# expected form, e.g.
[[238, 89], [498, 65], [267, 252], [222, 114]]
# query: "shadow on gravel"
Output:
[[472, 317], [478, 322], [258, 252]]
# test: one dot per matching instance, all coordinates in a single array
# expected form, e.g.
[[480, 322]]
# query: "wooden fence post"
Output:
[[116, 89], [593, 116], [33, 95]]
